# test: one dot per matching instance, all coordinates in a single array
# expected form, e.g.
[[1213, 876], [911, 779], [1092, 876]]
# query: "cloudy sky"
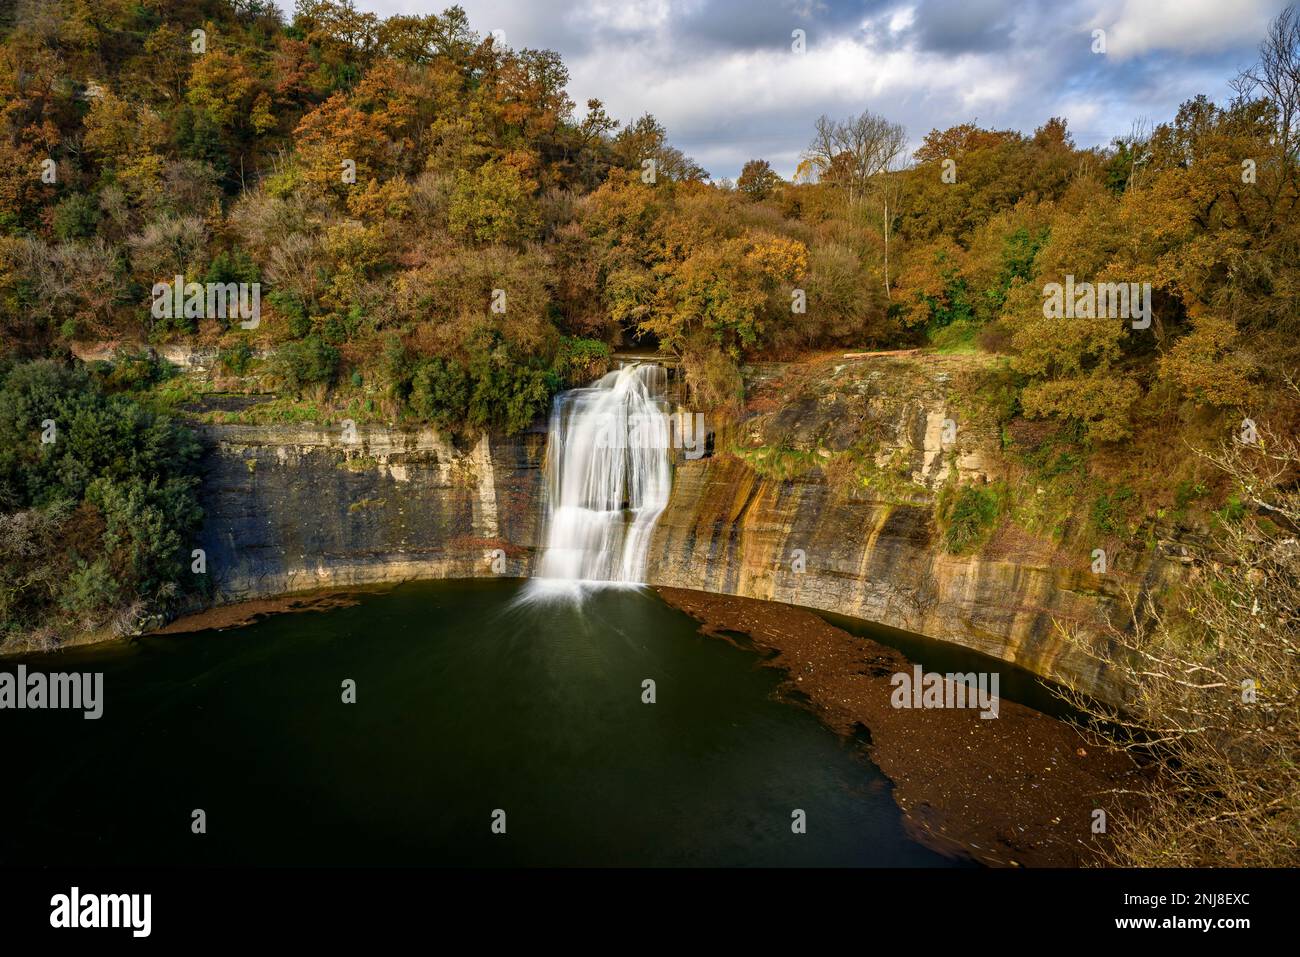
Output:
[[722, 75]]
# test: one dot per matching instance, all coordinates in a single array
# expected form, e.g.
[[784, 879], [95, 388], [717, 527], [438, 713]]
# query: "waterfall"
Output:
[[608, 477]]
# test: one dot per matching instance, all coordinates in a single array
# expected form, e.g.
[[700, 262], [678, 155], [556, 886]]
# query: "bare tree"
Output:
[[167, 246], [854, 150], [890, 190], [1214, 685], [1275, 78], [76, 280], [858, 154], [1137, 146]]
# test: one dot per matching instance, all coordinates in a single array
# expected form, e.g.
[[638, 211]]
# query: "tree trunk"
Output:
[[887, 294]]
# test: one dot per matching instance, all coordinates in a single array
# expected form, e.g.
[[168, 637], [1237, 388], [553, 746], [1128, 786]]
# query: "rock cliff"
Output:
[[849, 528], [291, 508]]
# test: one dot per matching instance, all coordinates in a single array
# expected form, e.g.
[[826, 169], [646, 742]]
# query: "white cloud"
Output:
[[726, 98], [1134, 27], [902, 19], [625, 15]]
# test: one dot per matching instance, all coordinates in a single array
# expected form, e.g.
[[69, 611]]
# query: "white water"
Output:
[[607, 480]]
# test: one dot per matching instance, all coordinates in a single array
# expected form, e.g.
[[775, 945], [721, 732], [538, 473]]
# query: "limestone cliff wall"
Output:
[[728, 530], [294, 508], [852, 526], [291, 508]]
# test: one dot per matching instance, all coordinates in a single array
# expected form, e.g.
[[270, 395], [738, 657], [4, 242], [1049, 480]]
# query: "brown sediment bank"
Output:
[[1019, 789], [246, 612]]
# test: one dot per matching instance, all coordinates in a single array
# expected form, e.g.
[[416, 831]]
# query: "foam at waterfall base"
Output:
[[576, 591]]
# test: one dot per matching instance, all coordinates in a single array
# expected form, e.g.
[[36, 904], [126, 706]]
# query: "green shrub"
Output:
[[1108, 511], [440, 391], [494, 390], [76, 217], [146, 523], [90, 588], [235, 359], [313, 360], [580, 361], [134, 371], [1233, 512], [333, 330], [969, 516], [232, 266], [397, 364], [509, 397], [294, 310], [104, 514]]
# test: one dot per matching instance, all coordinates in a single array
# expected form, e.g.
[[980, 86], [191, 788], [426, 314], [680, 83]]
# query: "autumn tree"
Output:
[[646, 140], [855, 156], [127, 139], [374, 131], [493, 204], [757, 180], [28, 134], [428, 38], [1076, 362], [1274, 80], [956, 141], [1209, 365]]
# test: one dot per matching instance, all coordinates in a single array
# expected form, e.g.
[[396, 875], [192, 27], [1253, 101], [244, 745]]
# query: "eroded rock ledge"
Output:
[[726, 530]]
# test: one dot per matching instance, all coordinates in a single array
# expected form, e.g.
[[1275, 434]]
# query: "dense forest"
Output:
[[381, 178], [441, 235]]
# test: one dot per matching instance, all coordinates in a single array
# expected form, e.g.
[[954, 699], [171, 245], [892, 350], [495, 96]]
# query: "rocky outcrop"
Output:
[[828, 501], [731, 531], [292, 508], [196, 362]]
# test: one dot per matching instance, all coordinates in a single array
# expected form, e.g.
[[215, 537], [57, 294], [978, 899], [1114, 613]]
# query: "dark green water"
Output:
[[464, 705], [1014, 683]]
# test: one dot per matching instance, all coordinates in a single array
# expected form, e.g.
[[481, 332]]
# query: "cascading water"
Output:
[[608, 478]]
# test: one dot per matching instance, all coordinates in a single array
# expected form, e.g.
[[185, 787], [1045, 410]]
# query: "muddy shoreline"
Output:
[[246, 612], [1017, 790]]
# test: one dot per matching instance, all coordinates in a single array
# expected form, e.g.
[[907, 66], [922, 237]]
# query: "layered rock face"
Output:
[[728, 530], [864, 541], [292, 508]]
